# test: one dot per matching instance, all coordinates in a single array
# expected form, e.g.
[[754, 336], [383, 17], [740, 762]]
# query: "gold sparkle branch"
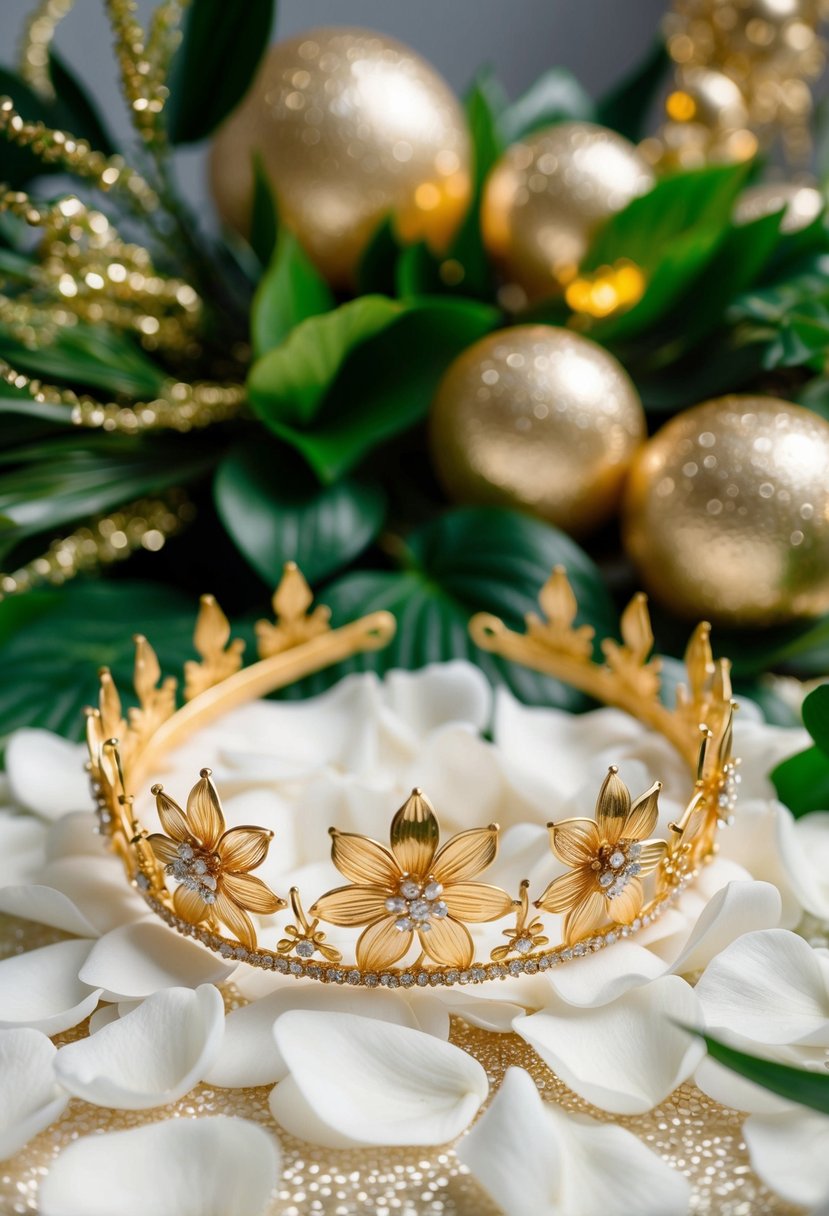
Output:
[[38, 35], [145, 524]]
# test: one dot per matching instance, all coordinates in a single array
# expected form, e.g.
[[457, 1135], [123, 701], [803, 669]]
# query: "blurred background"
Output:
[[518, 40]]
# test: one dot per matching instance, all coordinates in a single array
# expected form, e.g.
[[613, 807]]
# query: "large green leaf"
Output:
[[626, 108], [471, 560], [291, 291], [276, 511], [671, 233], [345, 381], [555, 97], [53, 642], [264, 216], [70, 478], [215, 64], [82, 117], [802, 781], [794, 1084]]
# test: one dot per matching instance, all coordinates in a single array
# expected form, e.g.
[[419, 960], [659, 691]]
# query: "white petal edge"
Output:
[[790, 1152], [624, 1057], [219, 1166], [737, 908], [46, 773], [149, 1057], [30, 1098], [534, 1160], [355, 1080], [136, 960], [42, 988], [249, 1055], [46, 906], [769, 987]]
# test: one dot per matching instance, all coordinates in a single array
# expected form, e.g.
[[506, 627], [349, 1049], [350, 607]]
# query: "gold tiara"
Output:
[[412, 899]]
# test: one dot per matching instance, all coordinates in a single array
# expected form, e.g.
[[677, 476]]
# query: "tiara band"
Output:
[[413, 898]]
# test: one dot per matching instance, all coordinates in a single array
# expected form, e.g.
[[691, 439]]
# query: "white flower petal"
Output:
[[761, 748], [249, 1055], [790, 1152], [534, 1160], [98, 888], [46, 906], [763, 840], [46, 773], [136, 960], [738, 908], [22, 839], [730, 1089], [42, 988], [623, 1057], [769, 987], [355, 1080], [149, 1057], [440, 693], [600, 978], [29, 1097], [807, 861], [75, 835], [489, 1014], [460, 770], [180, 1167]]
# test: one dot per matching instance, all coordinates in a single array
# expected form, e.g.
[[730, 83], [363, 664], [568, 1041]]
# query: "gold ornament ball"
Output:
[[351, 126], [537, 418], [726, 512], [802, 204], [548, 194]]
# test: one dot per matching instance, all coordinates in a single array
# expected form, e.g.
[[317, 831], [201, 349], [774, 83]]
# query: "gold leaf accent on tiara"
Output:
[[528, 934], [560, 607], [156, 696], [294, 623], [304, 938], [220, 657], [212, 864], [683, 846], [630, 661], [607, 856], [414, 890]]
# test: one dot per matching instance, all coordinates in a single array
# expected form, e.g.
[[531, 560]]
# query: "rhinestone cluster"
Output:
[[416, 904], [727, 798], [196, 870], [616, 865]]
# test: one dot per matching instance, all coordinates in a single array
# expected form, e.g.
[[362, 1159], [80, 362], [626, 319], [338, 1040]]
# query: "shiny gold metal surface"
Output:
[[802, 204], [727, 512], [351, 126], [538, 418], [548, 194]]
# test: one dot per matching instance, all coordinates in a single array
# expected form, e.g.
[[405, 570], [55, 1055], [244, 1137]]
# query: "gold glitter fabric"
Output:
[[693, 1133]]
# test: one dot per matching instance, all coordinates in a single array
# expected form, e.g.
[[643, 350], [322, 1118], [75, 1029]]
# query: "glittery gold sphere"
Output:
[[802, 204], [726, 512], [537, 418], [548, 194], [351, 126]]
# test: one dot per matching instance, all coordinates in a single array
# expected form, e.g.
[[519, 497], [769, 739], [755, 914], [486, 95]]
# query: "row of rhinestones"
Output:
[[476, 974]]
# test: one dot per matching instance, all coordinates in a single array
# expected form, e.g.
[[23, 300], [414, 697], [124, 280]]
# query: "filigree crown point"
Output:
[[417, 890]]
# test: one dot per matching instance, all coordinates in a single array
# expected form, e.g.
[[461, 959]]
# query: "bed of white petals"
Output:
[[355, 1067]]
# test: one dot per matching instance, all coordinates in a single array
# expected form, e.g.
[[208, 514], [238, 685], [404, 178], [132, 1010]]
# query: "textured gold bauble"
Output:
[[727, 512], [351, 126], [802, 204], [537, 418], [548, 194]]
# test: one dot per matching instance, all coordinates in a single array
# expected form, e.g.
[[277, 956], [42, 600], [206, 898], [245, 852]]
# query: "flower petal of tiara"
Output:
[[410, 902]]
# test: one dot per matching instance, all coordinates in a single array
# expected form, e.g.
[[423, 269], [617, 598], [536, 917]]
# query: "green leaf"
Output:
[[215, 64], [70, 478], [471, 560], [50, 653], [671, 233], [626, 108], [815, 711], [802, 782], [346, 381], [375, 273], [264, 218], [19, 165], [799, 1085], [555, 97], [89, 357], [82, 117], [291, 291], [484, 104], [275, 511]]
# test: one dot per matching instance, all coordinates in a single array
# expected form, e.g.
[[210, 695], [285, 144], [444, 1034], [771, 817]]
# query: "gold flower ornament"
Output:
[[212, 865], [608, 857], [414, 889]]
